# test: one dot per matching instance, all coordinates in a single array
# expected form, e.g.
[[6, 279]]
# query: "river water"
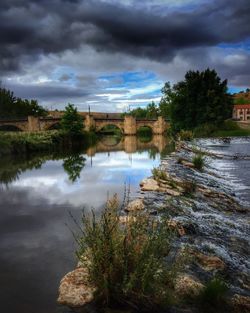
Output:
[[36, 196]]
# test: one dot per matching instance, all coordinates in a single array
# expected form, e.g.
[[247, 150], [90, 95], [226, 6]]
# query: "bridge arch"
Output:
[[53, 126], [11, 127], [102, 125]]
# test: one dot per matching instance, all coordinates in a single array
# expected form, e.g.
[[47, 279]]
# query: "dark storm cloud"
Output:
[[32, 28], [47, 91]]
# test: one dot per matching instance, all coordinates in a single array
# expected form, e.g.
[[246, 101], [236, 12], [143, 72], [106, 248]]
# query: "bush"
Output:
[[205, 130], [186, 135], [198, 161], [159, 174], [126, 262], [214, 294]]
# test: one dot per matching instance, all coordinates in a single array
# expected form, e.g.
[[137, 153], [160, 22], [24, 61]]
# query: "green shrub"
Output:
[[186, 135], [198, 161], [159, 174], [205, 130], [126, 262], [213, 294]]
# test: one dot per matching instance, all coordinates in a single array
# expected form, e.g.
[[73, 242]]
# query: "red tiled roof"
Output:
[[242, 106]]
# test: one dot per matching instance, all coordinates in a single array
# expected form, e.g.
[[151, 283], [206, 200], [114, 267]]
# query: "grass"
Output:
[[159, 174], [127, 262], [186, 135], [198, 161], [227, 129], [213, 297], [26, 142]]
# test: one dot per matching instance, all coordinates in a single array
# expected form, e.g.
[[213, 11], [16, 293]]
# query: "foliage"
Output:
[[145, 131], [214, 293], [198, 161], [200, 98], [241, 101], [25, 143], [186, 135], [150, 112], [159, 174], [111, 129], [73, 166], [127, 262], [228, 128], [72, 122], [11, 106]]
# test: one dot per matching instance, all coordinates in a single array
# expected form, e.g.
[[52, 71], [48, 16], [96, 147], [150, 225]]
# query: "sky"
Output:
[[113, 55]]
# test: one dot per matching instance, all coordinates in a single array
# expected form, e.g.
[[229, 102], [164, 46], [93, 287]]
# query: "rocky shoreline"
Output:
[[208, 219]]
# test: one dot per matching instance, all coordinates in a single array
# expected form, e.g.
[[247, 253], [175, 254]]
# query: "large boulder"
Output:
[[149, 184], [241, 304], [135, 205], [75, 289], [188, 286], [209, 262]]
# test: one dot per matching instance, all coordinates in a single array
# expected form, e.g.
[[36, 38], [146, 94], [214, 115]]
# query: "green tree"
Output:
[[199, 99], [164, 105], [71, 121], [152, 110], [10, 106]]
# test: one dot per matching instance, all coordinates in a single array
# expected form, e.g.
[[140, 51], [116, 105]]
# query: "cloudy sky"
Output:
[[111, 54]]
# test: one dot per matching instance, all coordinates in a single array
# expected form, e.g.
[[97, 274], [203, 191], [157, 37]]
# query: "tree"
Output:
[[199, 99], [152, 110], [10, 106], [164, 105], [71, 121]]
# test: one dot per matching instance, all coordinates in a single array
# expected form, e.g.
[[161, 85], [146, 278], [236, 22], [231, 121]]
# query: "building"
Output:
[[241, 112]]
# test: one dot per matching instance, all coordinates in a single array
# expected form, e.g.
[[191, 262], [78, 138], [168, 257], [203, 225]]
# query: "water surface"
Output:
[[36, 195]]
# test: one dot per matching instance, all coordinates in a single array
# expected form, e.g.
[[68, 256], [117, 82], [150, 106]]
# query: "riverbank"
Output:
[[16, 143], [227, 129], [210, 221]]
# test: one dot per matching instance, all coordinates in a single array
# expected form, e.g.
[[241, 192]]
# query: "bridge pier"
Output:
[[89, 123], [129, 126], [33, 124]]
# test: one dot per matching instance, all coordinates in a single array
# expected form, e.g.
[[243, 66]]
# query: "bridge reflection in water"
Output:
[[129, 144]]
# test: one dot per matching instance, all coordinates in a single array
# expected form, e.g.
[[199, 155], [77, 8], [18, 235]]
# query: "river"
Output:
[[36, 196]]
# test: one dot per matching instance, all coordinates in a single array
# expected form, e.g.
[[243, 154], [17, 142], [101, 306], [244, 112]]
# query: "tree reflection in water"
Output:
[[73, 166]]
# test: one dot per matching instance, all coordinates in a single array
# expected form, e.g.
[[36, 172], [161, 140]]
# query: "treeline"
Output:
[[14, 107], [202, 98], [152, 111]]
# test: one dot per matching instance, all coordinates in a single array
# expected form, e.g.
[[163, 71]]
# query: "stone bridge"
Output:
[[128, 125], [30, 124]]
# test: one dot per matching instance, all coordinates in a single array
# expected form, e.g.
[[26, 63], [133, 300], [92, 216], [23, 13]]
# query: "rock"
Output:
[[75, 289], [188, 286], [171, 192], [241, 304], [135, 205], [187, 164], [177, 226], [127, 219], [209, 263], [149, 184]]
